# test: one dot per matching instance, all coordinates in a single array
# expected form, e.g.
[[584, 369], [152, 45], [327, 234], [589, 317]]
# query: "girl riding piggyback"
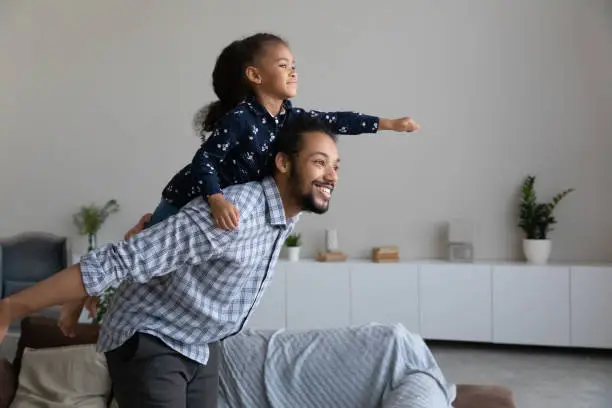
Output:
[[254, 79]]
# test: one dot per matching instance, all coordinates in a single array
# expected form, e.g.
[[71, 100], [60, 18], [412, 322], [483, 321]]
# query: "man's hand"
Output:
[[399, 125]]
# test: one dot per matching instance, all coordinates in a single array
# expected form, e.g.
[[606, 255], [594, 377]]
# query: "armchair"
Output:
[[30, 257]]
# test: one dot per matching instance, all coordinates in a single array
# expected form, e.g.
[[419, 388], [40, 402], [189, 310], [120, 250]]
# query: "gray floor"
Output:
[[539, 378]]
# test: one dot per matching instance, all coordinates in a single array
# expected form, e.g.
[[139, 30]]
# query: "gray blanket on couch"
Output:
[[370, 366]]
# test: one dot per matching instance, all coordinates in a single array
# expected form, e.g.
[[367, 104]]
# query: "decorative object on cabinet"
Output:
[[294, 243], [536, 220], [332, 252], [331, 240], [461, 241], [331, 256], [385, 254]]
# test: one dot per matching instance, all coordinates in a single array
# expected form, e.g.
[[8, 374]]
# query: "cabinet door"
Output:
[[531, 305], [591, 307], [271, 313], [456, 302], [385, 293], [318, 295]]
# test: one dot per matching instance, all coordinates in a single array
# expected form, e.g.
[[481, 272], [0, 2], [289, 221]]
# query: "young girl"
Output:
[[254, 79]]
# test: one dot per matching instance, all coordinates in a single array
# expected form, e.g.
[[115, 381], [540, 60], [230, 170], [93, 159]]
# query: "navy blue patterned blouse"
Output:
[[241, 146]]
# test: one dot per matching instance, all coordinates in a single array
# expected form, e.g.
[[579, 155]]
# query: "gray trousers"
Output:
[[146, 373]]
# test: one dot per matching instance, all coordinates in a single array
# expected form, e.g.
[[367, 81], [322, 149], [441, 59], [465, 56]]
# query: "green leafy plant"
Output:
[[535, 218], [104, 304], [294, 240], [89, 220]]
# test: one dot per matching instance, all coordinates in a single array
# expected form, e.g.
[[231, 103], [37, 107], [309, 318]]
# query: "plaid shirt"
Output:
[[186, 281]]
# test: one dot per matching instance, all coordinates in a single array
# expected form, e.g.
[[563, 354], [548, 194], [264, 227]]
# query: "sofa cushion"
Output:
[[63, 377], [39, 332], [7, 383]]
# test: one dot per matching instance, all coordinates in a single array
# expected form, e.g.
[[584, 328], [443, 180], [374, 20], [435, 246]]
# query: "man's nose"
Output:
[[331, 175]]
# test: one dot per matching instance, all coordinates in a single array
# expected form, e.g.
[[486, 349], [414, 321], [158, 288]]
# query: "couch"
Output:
[[39, 333], [28, 258]]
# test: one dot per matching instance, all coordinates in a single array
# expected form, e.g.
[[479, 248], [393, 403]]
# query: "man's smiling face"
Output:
[[313, 172]]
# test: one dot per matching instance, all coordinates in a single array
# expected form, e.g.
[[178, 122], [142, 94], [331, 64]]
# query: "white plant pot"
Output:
[[293, 253], [537, 251]]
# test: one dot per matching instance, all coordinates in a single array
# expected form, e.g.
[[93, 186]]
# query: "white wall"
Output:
[[96, 100]]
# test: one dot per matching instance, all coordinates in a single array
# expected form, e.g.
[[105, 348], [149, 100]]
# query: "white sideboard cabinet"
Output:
[[504, 303]]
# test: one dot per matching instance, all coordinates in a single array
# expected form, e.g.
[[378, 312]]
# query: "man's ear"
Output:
[[282, 162], [252, 75]]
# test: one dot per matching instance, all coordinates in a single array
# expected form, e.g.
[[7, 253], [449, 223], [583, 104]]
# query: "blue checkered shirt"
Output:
[[186, 281]]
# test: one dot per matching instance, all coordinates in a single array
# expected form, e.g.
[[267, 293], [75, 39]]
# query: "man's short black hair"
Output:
[[291, 136]]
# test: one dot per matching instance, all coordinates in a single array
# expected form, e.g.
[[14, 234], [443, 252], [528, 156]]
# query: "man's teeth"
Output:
[[325, 190]]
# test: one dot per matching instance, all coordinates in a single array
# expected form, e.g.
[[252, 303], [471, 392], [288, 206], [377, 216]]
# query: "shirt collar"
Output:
[[275, 209], [260, 110]]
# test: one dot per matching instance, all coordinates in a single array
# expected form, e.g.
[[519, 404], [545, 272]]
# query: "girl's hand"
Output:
[[138, 227], [405, 125], [399, 125], [224, 213]]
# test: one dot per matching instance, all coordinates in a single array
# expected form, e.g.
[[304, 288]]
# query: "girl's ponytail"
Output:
[[229, 80]]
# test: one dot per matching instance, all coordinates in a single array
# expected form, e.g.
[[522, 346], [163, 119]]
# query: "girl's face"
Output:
[[274, 74]]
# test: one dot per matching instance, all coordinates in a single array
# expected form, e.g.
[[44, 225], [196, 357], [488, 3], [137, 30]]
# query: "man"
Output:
[[190, 284]]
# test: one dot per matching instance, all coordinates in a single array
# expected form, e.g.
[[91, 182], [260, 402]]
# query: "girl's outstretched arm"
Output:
[[353, 123]]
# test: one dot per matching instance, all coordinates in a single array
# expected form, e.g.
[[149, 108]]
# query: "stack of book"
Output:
[[385, 254], [331, 257]]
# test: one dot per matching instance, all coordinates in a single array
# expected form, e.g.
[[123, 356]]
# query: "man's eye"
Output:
[[283, 65], [319, 162]]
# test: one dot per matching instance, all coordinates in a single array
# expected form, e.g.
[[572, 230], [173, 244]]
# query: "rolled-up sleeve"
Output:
[[188, 237]]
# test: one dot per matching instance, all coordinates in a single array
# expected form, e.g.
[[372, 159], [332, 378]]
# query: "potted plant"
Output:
[[293, 244], [536, 220], [88, 220]]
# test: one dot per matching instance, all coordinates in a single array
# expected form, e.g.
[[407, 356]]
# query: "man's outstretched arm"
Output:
[[184, 238], [187, 238]]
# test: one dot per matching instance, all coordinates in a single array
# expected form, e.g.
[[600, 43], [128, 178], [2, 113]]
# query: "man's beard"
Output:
[[306, 201]]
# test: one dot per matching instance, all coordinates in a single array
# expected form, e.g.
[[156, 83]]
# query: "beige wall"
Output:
[[96, 100]]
